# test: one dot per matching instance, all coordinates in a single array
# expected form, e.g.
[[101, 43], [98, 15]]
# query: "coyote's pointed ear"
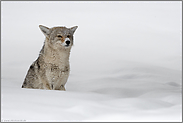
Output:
[[45, 30], [74, 29]]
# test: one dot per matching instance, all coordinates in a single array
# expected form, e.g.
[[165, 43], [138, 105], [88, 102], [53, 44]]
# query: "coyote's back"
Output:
[[51, 69]]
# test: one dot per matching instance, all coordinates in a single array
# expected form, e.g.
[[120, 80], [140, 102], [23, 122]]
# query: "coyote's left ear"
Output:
[[73, 29]]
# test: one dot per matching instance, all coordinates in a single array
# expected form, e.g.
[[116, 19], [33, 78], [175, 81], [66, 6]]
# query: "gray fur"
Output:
[[51, 69]]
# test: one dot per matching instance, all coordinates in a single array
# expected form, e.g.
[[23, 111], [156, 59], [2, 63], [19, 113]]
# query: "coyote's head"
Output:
[[58, 37]]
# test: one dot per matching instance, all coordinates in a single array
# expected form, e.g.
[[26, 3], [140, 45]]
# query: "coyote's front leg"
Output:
[[45, 83], [60, 83]]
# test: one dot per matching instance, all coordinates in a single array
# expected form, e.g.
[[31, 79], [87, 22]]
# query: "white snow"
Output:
[[125, 62]]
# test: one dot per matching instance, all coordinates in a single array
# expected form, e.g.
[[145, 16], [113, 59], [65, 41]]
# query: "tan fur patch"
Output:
[[63, 39]]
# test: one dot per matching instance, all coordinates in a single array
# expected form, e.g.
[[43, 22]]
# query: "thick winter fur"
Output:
[[51, 69]]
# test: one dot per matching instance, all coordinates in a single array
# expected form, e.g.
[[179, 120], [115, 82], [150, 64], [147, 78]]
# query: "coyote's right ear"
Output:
[[45, 30]]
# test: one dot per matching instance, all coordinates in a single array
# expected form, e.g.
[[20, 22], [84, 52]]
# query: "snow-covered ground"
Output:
[[126, 62]]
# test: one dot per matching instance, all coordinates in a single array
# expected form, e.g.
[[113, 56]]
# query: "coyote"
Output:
[[51, 69]]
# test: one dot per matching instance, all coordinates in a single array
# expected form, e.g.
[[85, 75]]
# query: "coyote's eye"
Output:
[[59, 36], [68, 36]]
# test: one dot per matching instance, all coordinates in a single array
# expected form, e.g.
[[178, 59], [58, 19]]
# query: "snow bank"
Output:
[[130, 95]]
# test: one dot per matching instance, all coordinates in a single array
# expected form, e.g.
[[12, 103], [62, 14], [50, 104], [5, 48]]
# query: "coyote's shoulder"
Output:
[[51, 69]]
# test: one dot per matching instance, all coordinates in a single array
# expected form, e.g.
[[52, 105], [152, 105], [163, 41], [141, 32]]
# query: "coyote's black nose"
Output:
[[67, 42]]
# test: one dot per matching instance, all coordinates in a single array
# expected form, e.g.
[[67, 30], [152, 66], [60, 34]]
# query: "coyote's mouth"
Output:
[[67, 45]]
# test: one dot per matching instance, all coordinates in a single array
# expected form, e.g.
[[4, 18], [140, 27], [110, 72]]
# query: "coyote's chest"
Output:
[[57, 67], [55, 73]]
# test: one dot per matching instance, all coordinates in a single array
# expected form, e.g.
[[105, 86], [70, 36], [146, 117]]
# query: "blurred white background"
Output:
[[147, 32]]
